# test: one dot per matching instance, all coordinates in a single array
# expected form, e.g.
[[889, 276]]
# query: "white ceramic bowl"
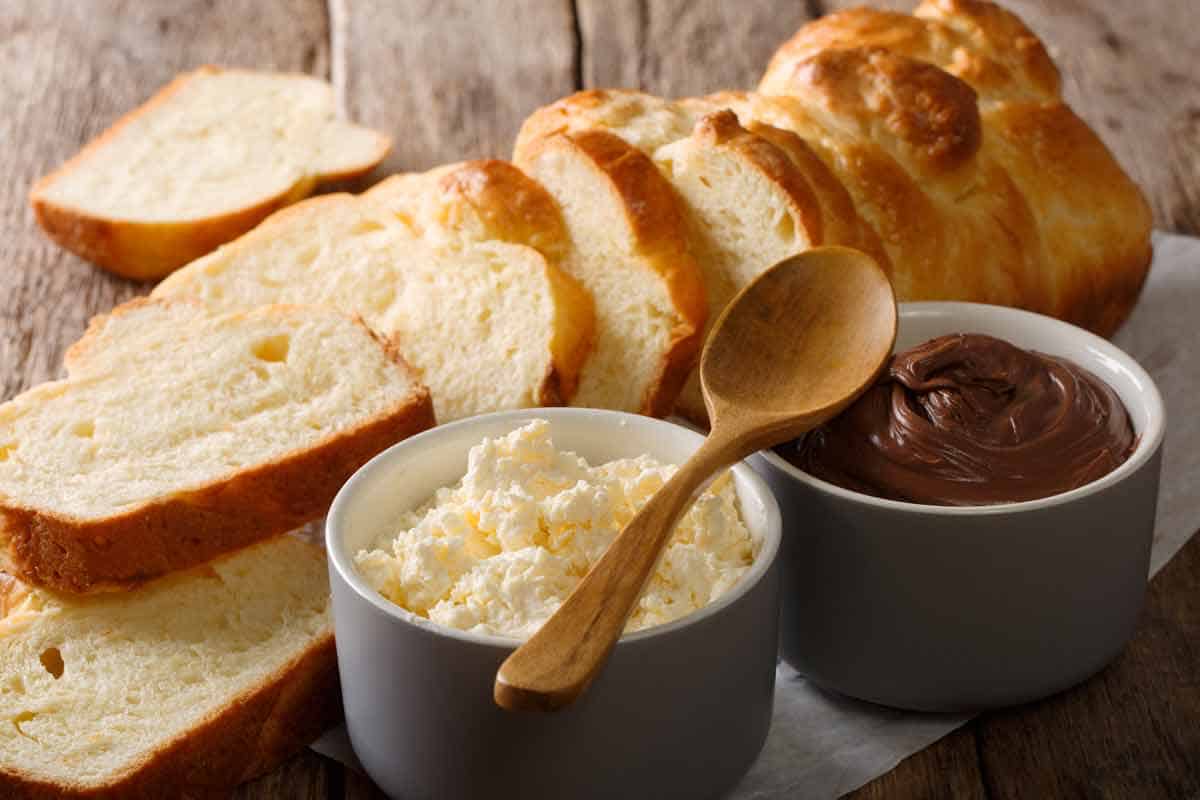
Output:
[[680, 710], [938, 608]]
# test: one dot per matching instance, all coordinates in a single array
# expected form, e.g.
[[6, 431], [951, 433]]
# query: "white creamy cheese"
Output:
[[500, 551]]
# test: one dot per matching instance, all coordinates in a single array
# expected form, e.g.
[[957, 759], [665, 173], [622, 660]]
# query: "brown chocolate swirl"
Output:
[[967, 420]]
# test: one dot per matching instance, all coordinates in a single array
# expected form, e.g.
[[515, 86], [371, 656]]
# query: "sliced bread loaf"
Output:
[[183, 687], [488, 322], [178, 435], [750, 199], [629, 248], [941, 207], [200, 163]]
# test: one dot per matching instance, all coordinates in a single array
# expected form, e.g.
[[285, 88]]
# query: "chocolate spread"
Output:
[[966, 420]]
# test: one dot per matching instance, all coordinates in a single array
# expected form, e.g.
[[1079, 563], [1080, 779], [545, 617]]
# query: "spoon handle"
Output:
[[558, 662]]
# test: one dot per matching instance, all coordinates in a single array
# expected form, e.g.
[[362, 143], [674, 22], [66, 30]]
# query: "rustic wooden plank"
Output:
[[306, 776], [678, 47], [450, 79], [69, 69], [357, 786], [949, 768]]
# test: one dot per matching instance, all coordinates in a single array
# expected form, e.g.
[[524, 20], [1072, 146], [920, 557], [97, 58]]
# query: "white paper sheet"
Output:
[[823, 745]]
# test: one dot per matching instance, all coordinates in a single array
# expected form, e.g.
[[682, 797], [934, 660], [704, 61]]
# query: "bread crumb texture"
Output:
[[92, 687], [478, 319], [163, 397]]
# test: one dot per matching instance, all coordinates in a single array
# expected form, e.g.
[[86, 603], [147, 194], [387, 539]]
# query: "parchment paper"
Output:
[[823, 745]]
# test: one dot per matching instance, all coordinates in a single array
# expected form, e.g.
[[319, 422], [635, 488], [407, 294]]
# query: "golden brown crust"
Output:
[[964, 234], [149, 250], [722, 130], [656, 220], [1001, 57], [896, 212], [516, 208], [930, 118], [47, 549], [511, 207], [979, 42], [841, 223], [557, 117], [1095, 221], [248, 738], [144, 251], [1070, 232], [573, 339], [190, 528]]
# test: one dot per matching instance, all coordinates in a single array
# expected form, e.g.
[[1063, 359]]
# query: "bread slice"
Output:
[[750, 200], [488, 322], [183, 687], [200, 163], [629, 248], [476, 201], [179, 435]]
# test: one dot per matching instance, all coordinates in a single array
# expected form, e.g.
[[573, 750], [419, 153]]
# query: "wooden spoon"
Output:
[[793, 349]]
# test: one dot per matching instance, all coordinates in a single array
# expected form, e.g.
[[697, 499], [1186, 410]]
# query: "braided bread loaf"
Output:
[[938, 142], [1089, 247]]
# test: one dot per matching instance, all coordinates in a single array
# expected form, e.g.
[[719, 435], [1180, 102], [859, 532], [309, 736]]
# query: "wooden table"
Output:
[[452, 79]]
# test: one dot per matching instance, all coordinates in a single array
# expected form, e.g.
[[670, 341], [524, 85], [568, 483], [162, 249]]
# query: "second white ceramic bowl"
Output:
[[680, 710], [949, 609]]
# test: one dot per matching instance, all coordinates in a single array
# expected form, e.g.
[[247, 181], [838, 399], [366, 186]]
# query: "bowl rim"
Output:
[[1147, 444], [342, 564]]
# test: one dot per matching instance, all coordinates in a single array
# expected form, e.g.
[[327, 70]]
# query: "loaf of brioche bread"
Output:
[[183, 687], [938, 143], [1034, 172], [751, 197], [488, 322], [200, 163], [178, 435]]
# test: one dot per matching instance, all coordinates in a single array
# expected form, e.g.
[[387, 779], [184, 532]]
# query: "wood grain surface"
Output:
[[682, 47], [452, 79]]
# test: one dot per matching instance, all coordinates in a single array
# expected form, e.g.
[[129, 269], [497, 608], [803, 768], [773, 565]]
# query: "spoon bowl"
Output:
[[794, 348], [796, 344]]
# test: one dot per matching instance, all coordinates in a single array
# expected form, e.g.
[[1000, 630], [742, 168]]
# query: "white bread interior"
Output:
[[480, 321], [201, 162], [142, 692], [162, 398]]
